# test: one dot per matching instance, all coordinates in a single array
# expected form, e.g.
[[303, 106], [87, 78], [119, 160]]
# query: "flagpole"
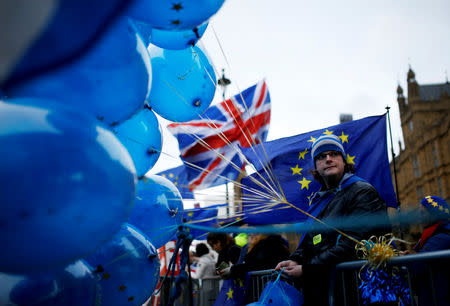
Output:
[[393, 158], [224, 82]]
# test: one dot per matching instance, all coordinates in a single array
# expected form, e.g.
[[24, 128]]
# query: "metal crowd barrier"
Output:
[[259, 279], [427, 276]]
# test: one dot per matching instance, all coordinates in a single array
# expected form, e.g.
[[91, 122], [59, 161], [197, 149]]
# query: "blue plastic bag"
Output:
[[278, 292]]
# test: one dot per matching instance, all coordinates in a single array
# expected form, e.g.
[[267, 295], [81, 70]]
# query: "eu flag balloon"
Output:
[[67, 186], [183, 85], [74, 285], [174, 15], [127, 269], [111, 81], [141, 135], [158, 209], [177, 40]]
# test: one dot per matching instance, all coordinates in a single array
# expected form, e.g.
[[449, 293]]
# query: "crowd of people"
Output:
[[343, 194]]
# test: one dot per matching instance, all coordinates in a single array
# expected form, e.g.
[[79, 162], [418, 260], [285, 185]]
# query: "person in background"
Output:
[[264, 252], [436, 235], [206, 273], [342, 194], [225, 246], [241, 239]]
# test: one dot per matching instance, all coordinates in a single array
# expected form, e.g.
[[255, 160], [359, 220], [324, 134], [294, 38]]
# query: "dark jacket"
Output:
[[266, 254], [230, 254], [438, 240], [330, 248]]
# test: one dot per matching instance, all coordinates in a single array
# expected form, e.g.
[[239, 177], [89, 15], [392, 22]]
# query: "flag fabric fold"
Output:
[[209, 144], [365, 145], [205, 216], [178, 176]]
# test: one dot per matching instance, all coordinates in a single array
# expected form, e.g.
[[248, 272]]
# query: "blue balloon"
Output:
[[142, 137], [158, 209], [71, 30], [177, 40], [67, 186], [174, 15], [111, 81], [183, 83], [75, 285], [127, 269]]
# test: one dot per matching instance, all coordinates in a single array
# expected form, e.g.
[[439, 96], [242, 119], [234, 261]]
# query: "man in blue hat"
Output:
[[343, 194], [436, 235]]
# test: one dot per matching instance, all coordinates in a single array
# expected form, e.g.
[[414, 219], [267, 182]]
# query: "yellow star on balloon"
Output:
[[305, 183], [296, 170], [350, 159], [312, 139], [446, 210], [344, 138], [328, 132], [230, 294], [171, 175], [429, 199], [302, 154], [441, 208], [434, 204]]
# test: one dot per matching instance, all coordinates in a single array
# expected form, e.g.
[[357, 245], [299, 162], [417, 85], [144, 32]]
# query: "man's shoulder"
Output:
[[362, 184]]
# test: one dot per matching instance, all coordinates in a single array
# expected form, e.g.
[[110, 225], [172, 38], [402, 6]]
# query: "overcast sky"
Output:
[[323, 58]]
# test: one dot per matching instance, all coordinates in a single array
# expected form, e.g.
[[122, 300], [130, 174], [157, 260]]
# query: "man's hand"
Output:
[[291, 268], [225, 273]]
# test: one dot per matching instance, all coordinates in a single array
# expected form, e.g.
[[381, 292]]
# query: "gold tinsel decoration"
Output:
[[377, 250]]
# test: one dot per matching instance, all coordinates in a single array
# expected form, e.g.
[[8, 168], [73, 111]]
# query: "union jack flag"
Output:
[[213, 140]]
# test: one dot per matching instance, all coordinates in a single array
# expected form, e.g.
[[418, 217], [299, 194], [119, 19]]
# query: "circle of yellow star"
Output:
[[305, 183], [296, 170], [350, 159], [302, 154], [344, 138], [328, 132], [312, 139], [230, 294]]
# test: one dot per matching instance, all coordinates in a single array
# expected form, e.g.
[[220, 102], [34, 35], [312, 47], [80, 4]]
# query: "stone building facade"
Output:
[[423, 165]]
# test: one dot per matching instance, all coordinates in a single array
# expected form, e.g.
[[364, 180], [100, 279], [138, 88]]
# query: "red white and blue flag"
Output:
[[213, 140]]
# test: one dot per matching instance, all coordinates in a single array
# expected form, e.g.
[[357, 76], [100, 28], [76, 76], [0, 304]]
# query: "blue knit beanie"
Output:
[[327, 143]]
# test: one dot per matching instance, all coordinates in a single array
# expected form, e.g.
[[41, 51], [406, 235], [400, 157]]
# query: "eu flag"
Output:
[[178, 176], [206, 216], [232, 293], [290, 161]]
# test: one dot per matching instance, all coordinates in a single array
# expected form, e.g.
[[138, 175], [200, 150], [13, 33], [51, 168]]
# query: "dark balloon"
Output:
[[141, 135], [174, 15], [158, 209], [183, 84], [67, 185], [74, 285], [127, 269], [110, 82], [177, 40]]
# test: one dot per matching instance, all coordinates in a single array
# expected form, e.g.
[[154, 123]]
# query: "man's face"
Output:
[[330, 165]]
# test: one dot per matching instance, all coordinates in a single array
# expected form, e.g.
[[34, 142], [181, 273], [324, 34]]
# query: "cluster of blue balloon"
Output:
[[78, 134]]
